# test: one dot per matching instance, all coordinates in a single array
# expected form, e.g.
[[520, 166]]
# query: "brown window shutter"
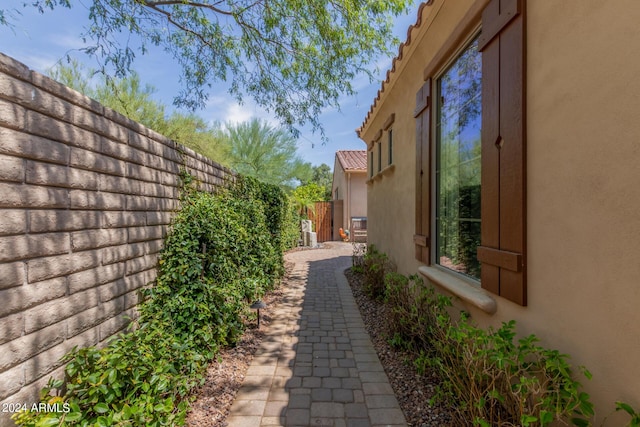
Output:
[[502, 250], [422, 114]]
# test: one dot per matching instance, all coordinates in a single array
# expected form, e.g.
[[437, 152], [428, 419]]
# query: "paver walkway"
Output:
[[316, 365]]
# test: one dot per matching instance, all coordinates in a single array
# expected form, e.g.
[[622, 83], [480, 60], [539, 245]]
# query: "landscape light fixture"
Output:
[[257, 305]]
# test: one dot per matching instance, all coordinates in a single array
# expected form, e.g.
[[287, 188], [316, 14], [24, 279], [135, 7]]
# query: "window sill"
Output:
[[388, 170], [378, 176], [460, 288]]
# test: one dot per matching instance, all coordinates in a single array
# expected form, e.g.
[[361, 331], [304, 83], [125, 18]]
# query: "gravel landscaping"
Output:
[[225, 375], [412, 390]]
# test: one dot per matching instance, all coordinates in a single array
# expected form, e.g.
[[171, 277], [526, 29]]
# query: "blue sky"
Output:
[[39, 41]]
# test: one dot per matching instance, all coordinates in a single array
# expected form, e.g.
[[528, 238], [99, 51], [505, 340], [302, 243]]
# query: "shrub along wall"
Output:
[[221, 253], [86, 197]]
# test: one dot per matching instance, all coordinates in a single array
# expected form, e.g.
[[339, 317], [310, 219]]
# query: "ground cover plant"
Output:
[[487, 377], [375, 265], [222, 251]]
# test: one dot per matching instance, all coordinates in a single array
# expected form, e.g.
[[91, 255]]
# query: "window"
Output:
[[390, 138], [379, 144], [457, 164], [471, 167], [371, 163], [387, 128]]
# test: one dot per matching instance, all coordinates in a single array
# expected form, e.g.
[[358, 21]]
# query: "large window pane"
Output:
[[458, 164]]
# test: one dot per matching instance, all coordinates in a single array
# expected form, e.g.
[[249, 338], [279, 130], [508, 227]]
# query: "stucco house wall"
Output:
[[582, 169], [351, 188], [358, 195]]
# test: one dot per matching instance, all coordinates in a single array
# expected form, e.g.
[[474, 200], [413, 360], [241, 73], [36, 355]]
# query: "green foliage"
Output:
[[635, 415], [294, 58], [75, 76], [488, 377], [376, 265], [262, 151], [278, 210], [131, 98], [141, 378], [194, 132], [304, 198], [495, 379], [221, 252], [414, 309], [322, 176]]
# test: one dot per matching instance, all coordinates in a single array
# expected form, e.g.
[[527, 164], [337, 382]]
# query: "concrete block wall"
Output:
[[86, 197]]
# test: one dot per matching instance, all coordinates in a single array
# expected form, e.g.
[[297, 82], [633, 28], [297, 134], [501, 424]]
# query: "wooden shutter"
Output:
[[503, 244], [422, 114]]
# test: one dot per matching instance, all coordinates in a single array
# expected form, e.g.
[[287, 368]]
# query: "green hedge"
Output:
[[279, 210], [222, 251]]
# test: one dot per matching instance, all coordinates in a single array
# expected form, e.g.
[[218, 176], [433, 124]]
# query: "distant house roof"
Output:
[[352, 160]]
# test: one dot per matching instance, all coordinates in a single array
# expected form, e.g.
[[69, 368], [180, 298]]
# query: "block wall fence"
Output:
[[86, 197]]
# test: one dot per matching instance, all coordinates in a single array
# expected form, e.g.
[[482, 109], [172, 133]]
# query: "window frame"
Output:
[[390, 146], [387, 127], [433, 155], [503, 248]]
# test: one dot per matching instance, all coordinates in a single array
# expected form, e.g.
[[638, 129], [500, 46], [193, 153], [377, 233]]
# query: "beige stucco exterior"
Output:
[[583, 173], [352, 190]]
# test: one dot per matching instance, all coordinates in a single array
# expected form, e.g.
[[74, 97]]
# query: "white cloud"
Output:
[[227, 109], [40, 63], [237, 113], [68, 41]]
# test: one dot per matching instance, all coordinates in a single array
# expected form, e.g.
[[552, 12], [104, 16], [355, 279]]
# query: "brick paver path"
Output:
[[316, 365]]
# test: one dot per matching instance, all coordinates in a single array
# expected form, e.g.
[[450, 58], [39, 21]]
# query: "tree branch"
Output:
[[155, 5]]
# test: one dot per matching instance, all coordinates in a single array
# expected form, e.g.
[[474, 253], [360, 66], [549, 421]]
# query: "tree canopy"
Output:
[[322, 176], [293, 57], [305, 196], [131, 98], [264, 152]]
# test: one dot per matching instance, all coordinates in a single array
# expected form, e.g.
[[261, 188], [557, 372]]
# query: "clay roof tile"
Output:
[[352, 160], [393, 63]]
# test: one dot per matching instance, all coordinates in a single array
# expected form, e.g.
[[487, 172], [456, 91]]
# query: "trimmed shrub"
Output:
[[376, 265], [491, 378], [279, 210], [413, 310], [487, 377]]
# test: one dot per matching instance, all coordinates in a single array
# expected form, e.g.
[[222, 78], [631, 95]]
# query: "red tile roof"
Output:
[[393, 63], [352, 160]]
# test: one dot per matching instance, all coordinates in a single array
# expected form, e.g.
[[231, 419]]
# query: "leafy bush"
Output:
[[376, 265], [221, 252], [487, 376], [413, 309], [279, 210], [495, 380]]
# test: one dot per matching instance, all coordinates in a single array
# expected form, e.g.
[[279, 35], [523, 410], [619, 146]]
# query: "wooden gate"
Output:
[[322, 221]]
